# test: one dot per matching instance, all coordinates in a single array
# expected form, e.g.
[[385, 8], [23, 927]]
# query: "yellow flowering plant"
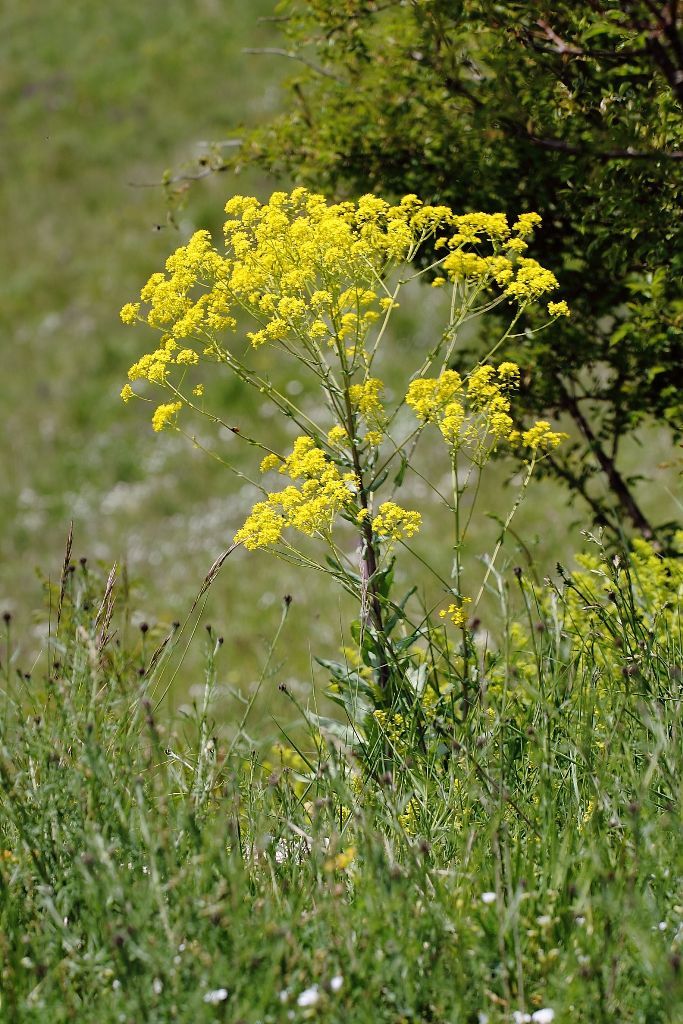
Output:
[[319, 283]]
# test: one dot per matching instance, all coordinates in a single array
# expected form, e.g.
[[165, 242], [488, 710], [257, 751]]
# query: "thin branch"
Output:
[[665, 24], [211, 169], [575, 483], [617, 484], [274, 51], [605, 154], [562, 47]]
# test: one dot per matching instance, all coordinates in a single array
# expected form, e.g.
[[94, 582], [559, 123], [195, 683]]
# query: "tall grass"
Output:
[[530, 862]]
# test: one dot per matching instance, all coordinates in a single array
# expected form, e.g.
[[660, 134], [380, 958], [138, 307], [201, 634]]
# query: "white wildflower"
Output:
[[309, 996], [544, 1016], [217, 995], [336, 982], [488, 897]]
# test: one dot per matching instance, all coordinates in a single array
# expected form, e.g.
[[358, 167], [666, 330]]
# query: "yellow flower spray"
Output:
[[319, 282]]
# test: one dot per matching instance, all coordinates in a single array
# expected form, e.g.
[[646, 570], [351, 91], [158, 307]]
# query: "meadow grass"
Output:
[[527, 866]]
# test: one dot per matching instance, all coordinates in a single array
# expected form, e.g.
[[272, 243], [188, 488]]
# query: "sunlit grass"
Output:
[[159, 870]]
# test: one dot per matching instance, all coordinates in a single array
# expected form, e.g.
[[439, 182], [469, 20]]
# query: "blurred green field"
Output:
[[96, 103]]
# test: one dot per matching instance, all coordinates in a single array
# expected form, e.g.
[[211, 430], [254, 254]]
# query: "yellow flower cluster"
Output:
[[532, 281], [342, 860], [539, 437], [310, 272], [305, 270], [476, 415], [522, 280], [526, 223], [366, 399], [456, 613], [559, 309], [394, 523], [163, 414], [393, 727], [130, 312], [429, 397], [310, 508]]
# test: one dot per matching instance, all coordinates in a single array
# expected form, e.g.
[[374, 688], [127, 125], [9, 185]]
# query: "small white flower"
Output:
[[309, 996], [283, 996], [157, 986], [544, 920], [482, 1018], [336, 982], [488, 897], [521, 1018], [281, 852], [217, 995], [116, 984], [662, 926], [544, 1016]]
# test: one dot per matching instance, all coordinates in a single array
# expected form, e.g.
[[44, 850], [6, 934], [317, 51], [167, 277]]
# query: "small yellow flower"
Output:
[[394, 522], [541, 436], [271, 461], [337, 436], [366, 397], [456, 613], [130, 312], [559, 309], [342, 861], [428, 396], [526, 224], [187, 357], [163, 414], [262, 529], [517, 245], [509, 373], [127, 393], [532, 281], [374, 437]]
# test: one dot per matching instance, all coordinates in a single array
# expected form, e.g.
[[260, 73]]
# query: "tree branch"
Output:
[[561, 46], [274, 51], [605, 154], [616, 482], [561, 470]]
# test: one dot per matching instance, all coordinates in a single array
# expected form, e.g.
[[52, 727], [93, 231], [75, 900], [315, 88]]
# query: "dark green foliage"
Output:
[[570, 109]]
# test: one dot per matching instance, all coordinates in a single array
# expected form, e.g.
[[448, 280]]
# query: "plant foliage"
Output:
[[573, 109]]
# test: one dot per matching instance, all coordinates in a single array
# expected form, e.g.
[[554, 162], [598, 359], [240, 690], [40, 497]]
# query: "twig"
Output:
[[274, 51], [606, 154]]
